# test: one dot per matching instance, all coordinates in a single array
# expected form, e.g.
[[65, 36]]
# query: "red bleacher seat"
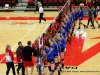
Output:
[[99, 1], [13, 3], [3, 1], [8, 1], [55, 1], [44, 1], [61, 1], [71, 1], [83, 1], [65, 1], [50, 1]]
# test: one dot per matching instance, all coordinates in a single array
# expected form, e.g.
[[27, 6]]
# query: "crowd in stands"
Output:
[[50, 2]]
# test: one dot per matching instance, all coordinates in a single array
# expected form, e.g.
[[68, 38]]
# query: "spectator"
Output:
[[6, 8], [30, 3], [9, 60], [20, 58]]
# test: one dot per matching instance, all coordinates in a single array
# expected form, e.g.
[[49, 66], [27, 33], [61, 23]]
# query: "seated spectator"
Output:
[[30, 3], [6, 7]]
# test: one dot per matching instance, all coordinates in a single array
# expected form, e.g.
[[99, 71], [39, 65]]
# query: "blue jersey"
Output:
[[59, 48], [46, 51], [76, 15], [49, 53], [62, 43], [73, 16], [68, 26], [80, 14], [64, 33], [95, 12], [55, 48]]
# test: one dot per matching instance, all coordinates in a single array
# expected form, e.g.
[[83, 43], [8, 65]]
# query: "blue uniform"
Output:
[[49, 53], [73, 16], [76, 15], [46, 51], [68, 25], [63, 33], [62, 43], [80, 14], [95, 12], [59, 48], [55, 48]]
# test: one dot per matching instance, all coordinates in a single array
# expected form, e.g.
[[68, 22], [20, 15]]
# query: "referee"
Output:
[[41, 13], [90, 18]]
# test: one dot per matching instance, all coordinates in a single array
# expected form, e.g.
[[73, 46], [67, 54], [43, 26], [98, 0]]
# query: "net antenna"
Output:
[[69, 6]]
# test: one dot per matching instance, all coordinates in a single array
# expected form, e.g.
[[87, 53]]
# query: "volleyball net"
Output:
[[64, 8]]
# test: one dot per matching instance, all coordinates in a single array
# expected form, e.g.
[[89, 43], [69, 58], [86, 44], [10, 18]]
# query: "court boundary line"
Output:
[[19, 40]]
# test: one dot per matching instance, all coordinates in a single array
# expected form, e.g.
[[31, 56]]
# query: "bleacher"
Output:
[[47, 4], [10, 2]]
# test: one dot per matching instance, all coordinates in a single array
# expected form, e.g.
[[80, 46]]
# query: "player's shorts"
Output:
[[55, 55], [50, 60], [28, 63], [95, 16], [62, 49]]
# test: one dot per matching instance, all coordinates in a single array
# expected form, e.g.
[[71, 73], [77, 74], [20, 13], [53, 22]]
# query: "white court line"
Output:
[[20, 40], [87, 44]]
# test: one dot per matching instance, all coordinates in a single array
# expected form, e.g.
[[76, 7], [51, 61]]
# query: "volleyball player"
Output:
[[74, 17], [62, 24], [35, 47], [95, 14], [64, 20], [52, 30], [20, 58], [41, 12], [62, 43], [59, 56], [9, 60], [68, 28], [81, 15], [56, 25], [54, 47], [58, 52], [73, 20], [50, 58], [63, 32]]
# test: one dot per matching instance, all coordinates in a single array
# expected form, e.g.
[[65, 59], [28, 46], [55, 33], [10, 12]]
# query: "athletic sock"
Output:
[[63, 66], [60, 69], [59, 72]]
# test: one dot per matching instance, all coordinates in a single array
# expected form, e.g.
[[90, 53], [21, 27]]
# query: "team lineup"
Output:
[[54, 43]]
